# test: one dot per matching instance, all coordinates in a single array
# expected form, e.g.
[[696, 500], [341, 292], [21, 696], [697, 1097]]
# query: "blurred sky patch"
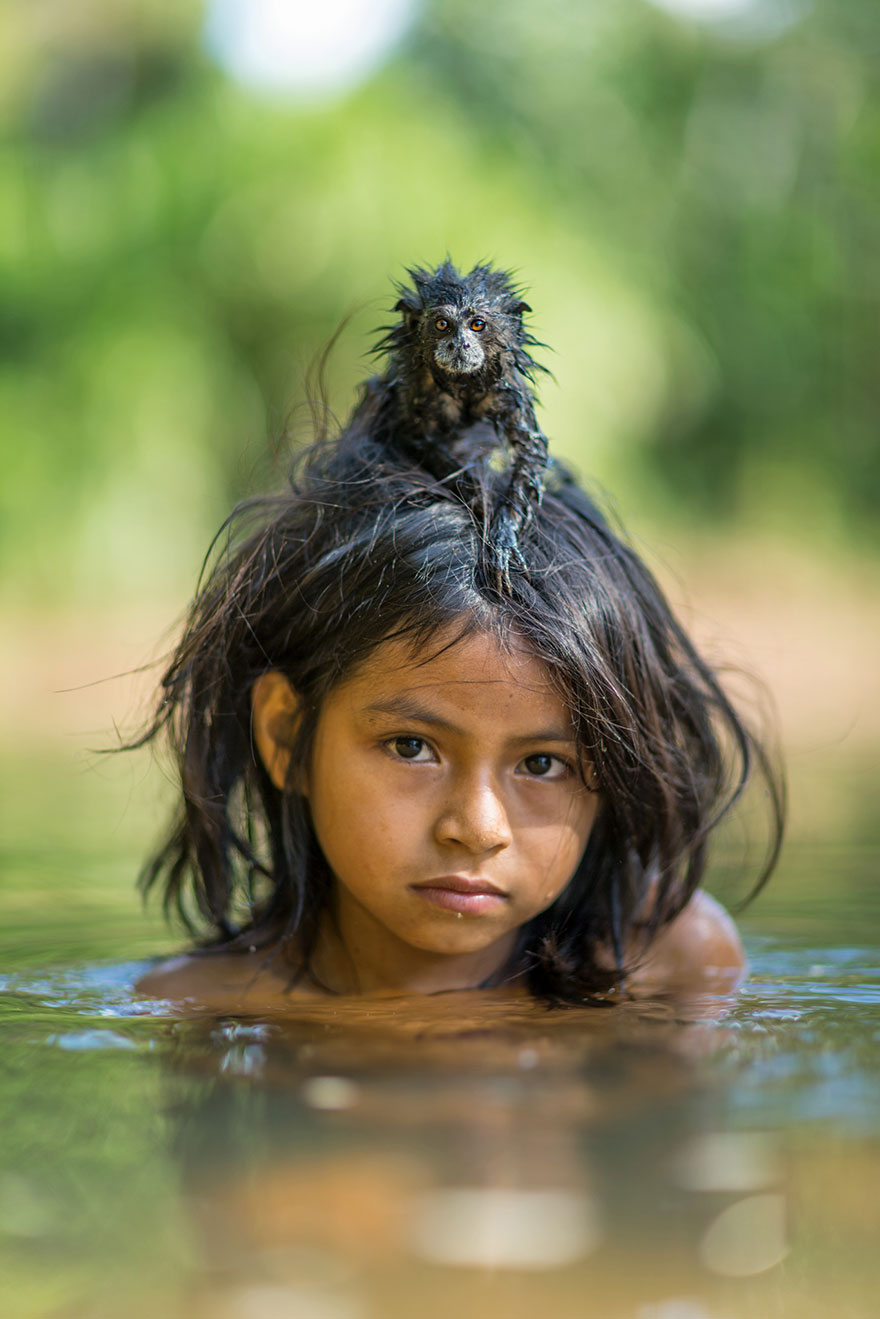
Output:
[[304, 48], [743, 19]]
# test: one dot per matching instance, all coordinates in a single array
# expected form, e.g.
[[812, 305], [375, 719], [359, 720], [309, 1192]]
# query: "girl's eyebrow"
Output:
[[407, 708]]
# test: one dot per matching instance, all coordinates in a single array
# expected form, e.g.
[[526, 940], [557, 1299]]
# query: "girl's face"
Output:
[[446, 799]]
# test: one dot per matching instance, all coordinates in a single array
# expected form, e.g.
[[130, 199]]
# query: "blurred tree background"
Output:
[[195, 194], [689, 189]]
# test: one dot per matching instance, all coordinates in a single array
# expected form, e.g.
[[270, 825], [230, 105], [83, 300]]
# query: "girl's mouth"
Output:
[[457, 893]]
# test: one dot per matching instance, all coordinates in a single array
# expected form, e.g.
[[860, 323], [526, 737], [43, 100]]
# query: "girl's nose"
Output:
[[476, 818]]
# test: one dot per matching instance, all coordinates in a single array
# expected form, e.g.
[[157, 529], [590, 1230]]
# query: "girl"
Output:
[[399, 776]]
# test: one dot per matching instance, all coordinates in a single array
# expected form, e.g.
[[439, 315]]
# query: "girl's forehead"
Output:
[[450, 660]]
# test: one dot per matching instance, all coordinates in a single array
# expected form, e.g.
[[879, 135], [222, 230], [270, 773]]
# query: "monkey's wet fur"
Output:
[[458, 369]]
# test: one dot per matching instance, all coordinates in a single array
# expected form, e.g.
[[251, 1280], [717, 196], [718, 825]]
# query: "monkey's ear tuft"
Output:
[[412, 314], [520, 307]]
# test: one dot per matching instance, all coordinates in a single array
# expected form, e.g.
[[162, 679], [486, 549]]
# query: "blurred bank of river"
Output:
[[807, 627]]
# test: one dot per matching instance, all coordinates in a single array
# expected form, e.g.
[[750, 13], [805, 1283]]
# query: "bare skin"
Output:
[[446, 796], [698, 953]]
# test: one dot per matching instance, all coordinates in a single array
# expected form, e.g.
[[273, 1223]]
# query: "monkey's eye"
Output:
[[478, 324], [442, 323]]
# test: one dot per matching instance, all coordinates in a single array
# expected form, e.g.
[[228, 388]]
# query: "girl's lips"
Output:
[[468, 897]]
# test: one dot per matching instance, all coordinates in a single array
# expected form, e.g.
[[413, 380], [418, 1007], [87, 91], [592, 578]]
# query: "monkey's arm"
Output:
[[517, 423]]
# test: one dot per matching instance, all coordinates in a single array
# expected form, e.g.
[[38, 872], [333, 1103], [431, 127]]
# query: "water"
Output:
[[447, 1156]]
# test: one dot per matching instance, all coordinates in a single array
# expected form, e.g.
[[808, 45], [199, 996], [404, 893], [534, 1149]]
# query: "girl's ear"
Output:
[[275, 714]]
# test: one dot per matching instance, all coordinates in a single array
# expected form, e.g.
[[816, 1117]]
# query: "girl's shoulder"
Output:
[[700, 950], [244, 981]]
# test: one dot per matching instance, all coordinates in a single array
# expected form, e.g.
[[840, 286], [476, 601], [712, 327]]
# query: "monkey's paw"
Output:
[[504, 551]]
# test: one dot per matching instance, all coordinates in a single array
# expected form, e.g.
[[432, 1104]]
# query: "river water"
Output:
[[451, 1156]]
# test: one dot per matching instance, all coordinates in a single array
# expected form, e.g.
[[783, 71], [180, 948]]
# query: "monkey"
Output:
[[457, 359]]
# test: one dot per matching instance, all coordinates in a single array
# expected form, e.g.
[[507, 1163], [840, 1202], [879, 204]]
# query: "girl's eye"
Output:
[[410, 748], [442, 323], [545, 767], [478, 324]]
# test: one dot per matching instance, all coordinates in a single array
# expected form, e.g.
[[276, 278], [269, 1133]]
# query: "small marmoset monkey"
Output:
[[457, 359]]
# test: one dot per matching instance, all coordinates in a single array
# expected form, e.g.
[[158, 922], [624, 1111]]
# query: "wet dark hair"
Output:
[[367, 546]]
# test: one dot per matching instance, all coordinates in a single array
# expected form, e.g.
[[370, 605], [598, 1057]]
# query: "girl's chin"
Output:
[[464, 939]]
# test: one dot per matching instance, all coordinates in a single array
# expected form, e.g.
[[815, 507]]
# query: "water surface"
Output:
[[452, 1156]]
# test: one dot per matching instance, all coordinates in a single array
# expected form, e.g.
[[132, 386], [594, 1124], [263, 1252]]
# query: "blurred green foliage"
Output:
[[694, 208]]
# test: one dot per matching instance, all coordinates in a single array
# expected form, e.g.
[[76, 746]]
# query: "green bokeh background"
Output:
[[693, 206]]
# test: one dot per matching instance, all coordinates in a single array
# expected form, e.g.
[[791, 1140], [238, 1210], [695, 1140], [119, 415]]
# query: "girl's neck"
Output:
[[350, 960]]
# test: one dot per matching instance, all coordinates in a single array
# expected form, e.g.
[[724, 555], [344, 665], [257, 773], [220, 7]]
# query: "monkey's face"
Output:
[[460, 341]]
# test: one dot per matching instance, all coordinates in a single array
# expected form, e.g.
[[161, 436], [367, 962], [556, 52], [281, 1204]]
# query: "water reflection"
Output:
[[459, 1154], [464, 1152], [535, 1170]]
